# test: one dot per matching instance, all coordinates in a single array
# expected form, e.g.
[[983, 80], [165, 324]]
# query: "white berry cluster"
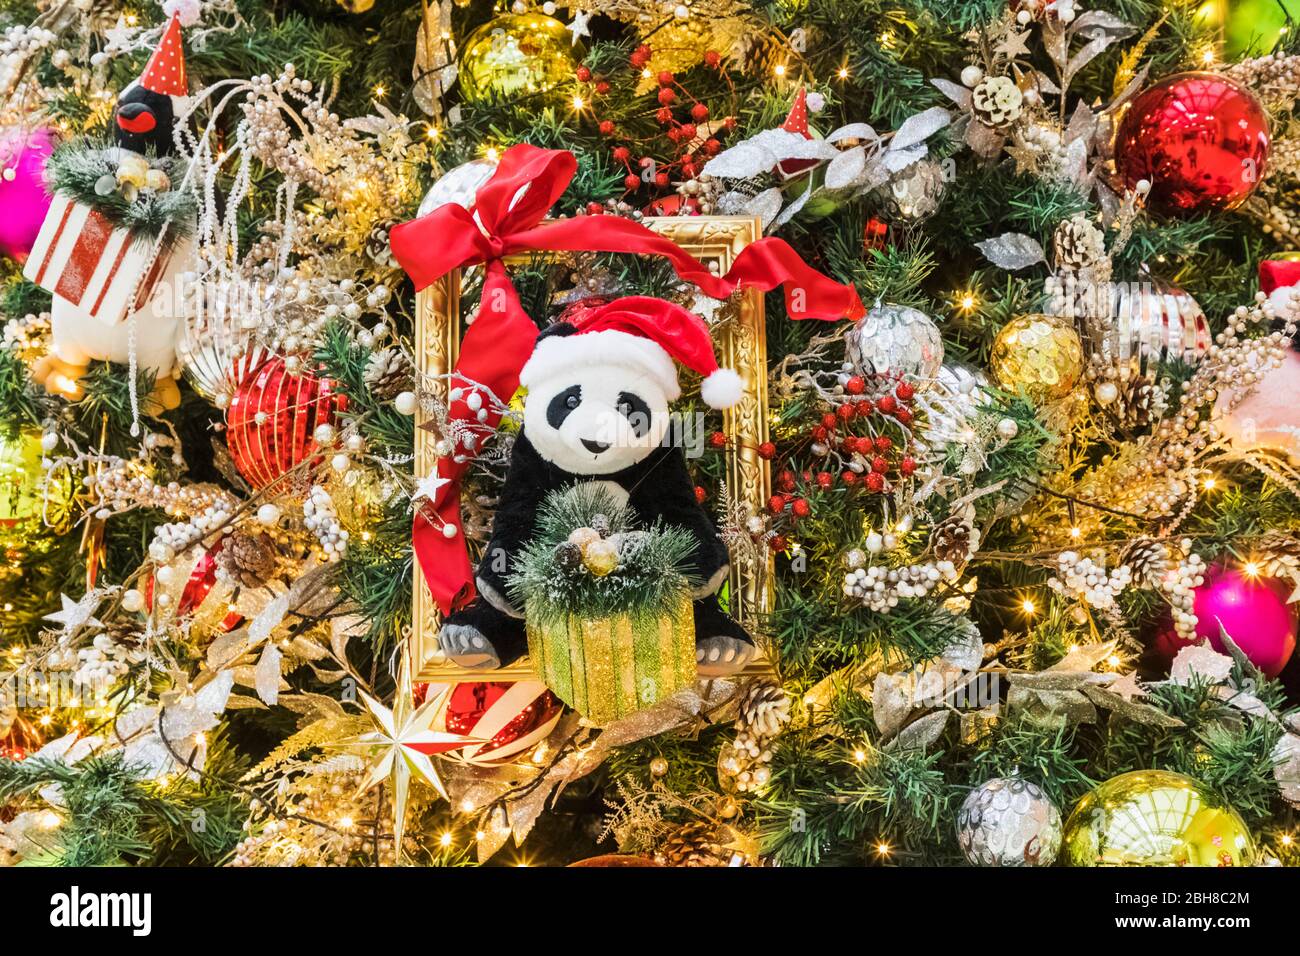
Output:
[[879, 588], [1179, 586], [171, 539], [322, 520], [103, 662], [21, 42], [1089, 581]]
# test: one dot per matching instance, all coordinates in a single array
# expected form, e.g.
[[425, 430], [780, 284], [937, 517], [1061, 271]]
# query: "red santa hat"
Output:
[[797, 121], [641, 334], [166, 70]]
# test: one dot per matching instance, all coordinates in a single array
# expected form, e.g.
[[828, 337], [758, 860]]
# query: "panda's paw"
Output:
[[465, 646], [722, 655]]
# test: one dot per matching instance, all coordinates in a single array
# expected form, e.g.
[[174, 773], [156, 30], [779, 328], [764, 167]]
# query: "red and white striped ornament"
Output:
[[272, 420], [513, 717]]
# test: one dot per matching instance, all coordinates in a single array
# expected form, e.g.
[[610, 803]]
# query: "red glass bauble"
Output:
[[509, 724], [272, 419], [1200, 139]]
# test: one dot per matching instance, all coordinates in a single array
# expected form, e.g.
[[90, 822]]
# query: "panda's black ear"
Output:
[[557, 330]]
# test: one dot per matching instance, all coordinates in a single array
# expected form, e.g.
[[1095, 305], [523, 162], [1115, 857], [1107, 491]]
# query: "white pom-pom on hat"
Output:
[[721, 389], [187, 11]]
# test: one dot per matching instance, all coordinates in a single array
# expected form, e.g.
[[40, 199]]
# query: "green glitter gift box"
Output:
[[607, 608]]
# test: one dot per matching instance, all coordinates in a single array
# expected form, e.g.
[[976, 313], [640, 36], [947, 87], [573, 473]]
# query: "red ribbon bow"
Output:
[[506, 219]]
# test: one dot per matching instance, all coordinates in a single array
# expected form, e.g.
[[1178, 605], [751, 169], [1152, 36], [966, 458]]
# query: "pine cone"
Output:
[[764, 709], [954, 539], [1079, 244], [694, 844], [378, 248], [1148, 559], [1279, 555], [763, 53], [387, 373], [249, 560], [997, 102]]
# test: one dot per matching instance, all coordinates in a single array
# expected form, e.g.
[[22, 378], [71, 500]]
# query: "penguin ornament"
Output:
[[117, 293]]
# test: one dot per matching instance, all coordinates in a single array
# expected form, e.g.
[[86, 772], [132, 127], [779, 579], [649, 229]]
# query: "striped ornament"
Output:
[[272, 419]]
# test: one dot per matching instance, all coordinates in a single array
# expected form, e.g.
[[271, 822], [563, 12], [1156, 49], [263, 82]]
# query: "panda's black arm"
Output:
[[666, 491], [527, 483]]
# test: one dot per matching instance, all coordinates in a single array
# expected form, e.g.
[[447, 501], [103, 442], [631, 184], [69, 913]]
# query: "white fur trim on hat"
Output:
[[568, 354], [721, 389]]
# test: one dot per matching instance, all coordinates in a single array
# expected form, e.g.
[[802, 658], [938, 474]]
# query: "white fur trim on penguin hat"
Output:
[[721, 389], [570, 354]]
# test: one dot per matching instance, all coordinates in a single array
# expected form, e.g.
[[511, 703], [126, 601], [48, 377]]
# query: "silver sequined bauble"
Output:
[[915, 193], [895, 340], [458, 185], [1009, 822]]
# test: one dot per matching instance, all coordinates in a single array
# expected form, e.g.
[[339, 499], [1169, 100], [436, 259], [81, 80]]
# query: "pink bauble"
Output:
[[1253, 611], [23, 198]]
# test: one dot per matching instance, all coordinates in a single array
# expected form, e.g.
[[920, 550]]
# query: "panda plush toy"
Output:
[[599, 388]]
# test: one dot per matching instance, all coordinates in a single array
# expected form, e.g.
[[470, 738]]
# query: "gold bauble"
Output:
[[515, 55], [21, 477], [1155, 818], [1039, 355], [600, 557]]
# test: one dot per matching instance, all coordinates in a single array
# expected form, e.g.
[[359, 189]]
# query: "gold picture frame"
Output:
[[742, 345]]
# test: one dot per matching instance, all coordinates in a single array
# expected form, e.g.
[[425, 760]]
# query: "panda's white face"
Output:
[[596, 422]]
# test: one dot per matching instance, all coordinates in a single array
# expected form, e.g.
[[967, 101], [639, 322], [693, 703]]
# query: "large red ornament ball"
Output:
[[1201, 140], [513, 717], [1254, 612], [272, 419]]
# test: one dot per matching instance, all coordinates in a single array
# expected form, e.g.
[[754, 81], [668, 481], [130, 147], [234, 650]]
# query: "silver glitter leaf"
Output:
[[765, 205], [267, 675], [1012, 251], [762, 152], [920, 127], [920, 733], [954, 91], [967, 648], [847, 170], [896, 160], [860, 131], [1286, 768]]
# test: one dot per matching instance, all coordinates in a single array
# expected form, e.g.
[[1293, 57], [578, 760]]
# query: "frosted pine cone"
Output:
[[954, 539], [1148, 559], [378, 249], [247, 560], [1079, 244], [997, 102], [387, 373], [764, 709]]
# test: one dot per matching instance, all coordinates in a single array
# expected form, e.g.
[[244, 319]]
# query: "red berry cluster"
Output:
[[679, 113], [852, 434]]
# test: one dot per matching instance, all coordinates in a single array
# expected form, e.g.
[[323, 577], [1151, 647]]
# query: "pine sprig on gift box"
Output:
[[649, 576], [73, 170]]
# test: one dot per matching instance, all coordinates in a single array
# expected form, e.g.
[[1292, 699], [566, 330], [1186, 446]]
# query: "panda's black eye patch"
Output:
[[636, 411], [563, 403]]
